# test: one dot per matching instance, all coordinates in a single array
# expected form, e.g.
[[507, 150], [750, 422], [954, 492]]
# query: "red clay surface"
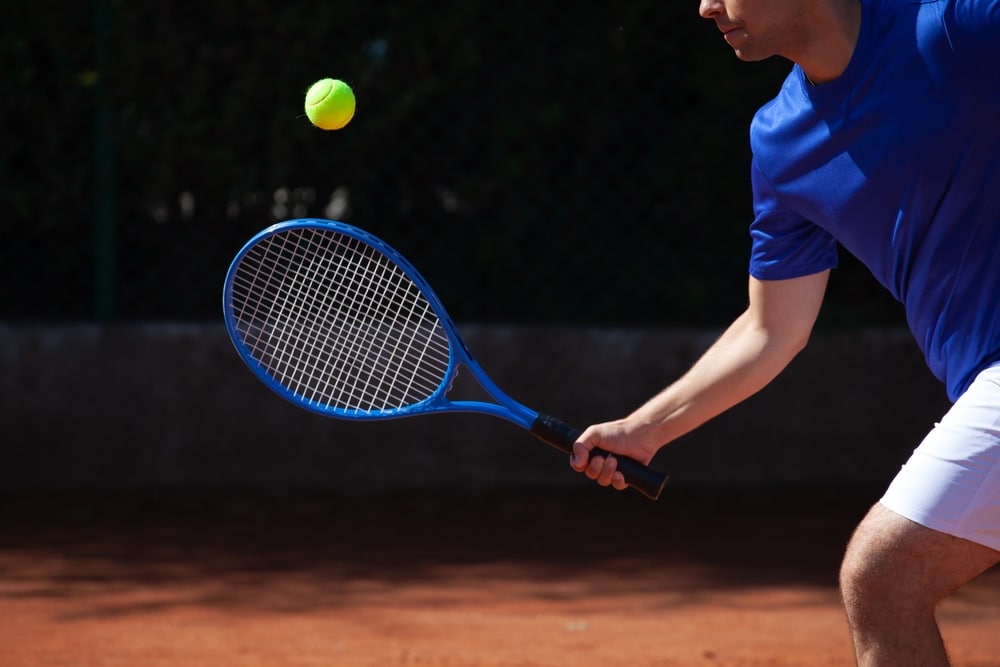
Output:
[[516, 580]]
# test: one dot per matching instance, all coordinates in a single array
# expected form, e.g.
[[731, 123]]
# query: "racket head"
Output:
[[333, 319]]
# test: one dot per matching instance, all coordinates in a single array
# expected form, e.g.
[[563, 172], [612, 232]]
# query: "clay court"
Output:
[[510, 580]]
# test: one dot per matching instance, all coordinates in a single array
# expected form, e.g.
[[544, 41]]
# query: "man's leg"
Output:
[[895, 573]]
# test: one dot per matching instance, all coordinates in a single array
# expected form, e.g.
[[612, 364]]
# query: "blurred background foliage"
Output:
[[538, 161]]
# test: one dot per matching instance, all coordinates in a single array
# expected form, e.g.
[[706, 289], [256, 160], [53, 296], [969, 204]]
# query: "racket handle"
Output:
[[560, 435]]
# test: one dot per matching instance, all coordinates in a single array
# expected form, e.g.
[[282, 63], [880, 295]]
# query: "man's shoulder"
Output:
[[781, 110]]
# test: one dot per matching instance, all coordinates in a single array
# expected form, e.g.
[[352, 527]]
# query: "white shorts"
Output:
[[952, 481]]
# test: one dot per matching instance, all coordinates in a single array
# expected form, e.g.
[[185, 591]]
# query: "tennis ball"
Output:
[[330, 104]]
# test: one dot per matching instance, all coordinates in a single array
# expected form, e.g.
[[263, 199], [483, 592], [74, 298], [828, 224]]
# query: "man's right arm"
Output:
[[755, 348]]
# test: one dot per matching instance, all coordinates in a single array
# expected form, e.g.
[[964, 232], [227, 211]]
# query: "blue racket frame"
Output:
[[460, 355], [544, 427]]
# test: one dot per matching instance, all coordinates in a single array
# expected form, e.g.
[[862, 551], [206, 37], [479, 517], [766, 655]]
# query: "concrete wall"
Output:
[[164, 406]]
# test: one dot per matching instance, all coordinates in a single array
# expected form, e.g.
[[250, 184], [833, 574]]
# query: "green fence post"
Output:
[[104, 187]]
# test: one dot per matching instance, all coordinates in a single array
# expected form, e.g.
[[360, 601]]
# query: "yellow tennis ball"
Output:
[[330, 104]]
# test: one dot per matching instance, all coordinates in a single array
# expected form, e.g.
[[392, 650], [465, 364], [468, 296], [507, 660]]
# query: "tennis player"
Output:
[[884, 138]]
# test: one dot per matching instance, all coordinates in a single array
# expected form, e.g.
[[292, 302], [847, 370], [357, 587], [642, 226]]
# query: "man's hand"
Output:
[[613, 437]]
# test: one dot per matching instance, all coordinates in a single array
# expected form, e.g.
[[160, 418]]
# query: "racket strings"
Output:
[[338, 323]]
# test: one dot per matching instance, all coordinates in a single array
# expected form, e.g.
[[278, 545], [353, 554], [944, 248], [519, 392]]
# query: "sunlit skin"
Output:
[[819, 36]]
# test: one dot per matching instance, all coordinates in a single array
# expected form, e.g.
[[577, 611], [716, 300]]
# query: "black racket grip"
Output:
[[560, 435]]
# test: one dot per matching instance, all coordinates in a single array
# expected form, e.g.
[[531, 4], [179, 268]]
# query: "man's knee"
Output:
[[881, 572], [894, 565]]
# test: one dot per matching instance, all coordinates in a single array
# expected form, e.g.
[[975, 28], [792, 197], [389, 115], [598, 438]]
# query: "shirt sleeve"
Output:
[[978, 18], [971, 27], [784, 244]]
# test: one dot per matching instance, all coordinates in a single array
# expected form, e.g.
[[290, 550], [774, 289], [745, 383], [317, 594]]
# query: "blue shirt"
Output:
[[898, 160]]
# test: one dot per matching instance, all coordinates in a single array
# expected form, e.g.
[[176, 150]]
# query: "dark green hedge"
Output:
[[537, 161]]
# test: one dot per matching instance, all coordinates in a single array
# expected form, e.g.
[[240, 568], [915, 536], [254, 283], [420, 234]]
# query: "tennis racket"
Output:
[[337, 322]]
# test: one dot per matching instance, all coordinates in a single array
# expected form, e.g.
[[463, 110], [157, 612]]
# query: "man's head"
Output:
[[819, 35], [757, 29]]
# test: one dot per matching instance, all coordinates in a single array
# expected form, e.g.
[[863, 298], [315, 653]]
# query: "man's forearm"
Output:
[[739, 364]]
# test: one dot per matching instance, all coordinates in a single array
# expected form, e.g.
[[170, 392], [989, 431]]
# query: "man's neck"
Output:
[[829, 44]]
